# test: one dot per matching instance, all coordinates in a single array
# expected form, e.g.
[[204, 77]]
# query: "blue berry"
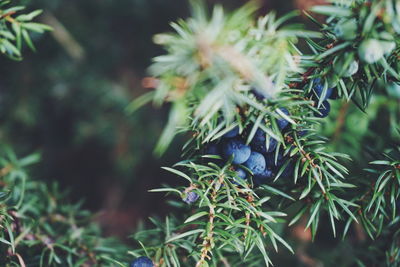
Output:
[[142, 262], [264, 177], [212, 149], [256, 163], [302, 132], [324, 110], [232, 133], [334, 95], [318, 89], [259, 142], [259, 93], [237, 148], [191, 197], [282, 123], [240, 173]]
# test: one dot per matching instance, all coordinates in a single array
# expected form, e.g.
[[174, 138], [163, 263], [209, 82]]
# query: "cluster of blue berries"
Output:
[[257, 158], [317, 91], [142, 262], [260, 159]]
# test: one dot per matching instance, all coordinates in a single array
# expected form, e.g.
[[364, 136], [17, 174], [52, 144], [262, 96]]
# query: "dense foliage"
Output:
[[227, 78], [284, 129], [38, 225]]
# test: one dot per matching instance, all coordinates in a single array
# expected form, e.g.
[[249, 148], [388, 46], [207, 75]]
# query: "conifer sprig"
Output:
[[214, 95], [39, 227], [16, 28]]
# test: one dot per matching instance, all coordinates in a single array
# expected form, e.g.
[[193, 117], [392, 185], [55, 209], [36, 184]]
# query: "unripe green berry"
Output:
[[370, 51], [388, 47], [352, 69], [346, 29], [387, 42], [344, 70], [393, 90]]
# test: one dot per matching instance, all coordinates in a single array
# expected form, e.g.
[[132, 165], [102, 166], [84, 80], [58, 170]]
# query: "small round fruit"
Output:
[[318, 89], [346, 29], [323, 110], [282, 123], [238, 149], [264, 177], [352, 69], [345, 71], [388, 47], [256, 163], [240, 173], [387, 42], [371, 51], [260, 94], [302, 133], [258, 143], [212, 149], [142, 262], [191, 197], [232, 133]]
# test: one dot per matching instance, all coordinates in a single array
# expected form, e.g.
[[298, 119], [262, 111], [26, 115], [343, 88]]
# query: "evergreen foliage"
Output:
[[276, 119], [229, 72], [15, 28], [38, 225]]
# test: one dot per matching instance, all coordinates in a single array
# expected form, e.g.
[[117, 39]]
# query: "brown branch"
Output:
[[64, 37], [208, 239], [6, 170], [8, 14], [340, 121]]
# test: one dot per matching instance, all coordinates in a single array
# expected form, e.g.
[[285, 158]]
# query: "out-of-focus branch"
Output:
[[64, 37], [303, 235], [341, 121], [307, 4]]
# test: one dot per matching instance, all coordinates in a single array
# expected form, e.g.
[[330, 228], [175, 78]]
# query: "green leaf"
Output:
[[179, 173], [277, 192], [165, 190], [196, 216], [332, 11], [140, 101], [180, 236]]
